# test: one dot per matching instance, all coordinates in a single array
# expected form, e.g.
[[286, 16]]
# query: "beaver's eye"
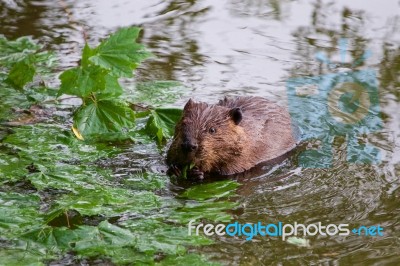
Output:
[[212, 130]]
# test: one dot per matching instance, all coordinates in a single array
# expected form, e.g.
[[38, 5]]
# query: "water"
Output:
[[251, 48]]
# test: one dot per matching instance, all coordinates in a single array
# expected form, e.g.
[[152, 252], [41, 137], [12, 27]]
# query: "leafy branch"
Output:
[[105, 113], [22, 59], [95, 81]]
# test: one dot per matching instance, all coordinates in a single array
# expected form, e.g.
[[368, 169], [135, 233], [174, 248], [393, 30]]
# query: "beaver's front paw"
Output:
[[195, 173], [174, 170]]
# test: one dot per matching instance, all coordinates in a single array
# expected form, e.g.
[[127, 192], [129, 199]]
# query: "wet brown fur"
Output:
[[263, 133]]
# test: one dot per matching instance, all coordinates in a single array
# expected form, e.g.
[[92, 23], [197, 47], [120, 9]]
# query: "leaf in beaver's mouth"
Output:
[[187, 168]]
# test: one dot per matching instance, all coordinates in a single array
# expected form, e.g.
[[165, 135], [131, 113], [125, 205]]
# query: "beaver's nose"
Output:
[[188, 146]]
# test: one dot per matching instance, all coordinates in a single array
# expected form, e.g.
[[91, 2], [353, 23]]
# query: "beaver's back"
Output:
[[268, 126]]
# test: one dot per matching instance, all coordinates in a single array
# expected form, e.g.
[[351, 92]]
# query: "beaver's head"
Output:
[[208, 136]]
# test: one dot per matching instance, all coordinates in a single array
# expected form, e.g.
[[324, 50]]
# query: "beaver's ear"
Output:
[[188, 105], [236, 115]]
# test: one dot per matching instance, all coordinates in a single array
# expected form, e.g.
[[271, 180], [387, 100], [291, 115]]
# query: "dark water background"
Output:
[[252, 47]]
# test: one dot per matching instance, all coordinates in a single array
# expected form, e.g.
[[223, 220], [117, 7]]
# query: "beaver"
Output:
[[229, 137]]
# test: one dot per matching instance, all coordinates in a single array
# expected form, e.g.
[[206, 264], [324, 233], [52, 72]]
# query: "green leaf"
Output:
[[87, 240], [120, 53], [55, 239], [11, 98], [49, 144], [17, 50], [21, 257], [21, 73], [108, 201], [124, 255], [145, 181], [82, 81], [214, 190], [138, 242], [103, 236], [22, 56], [186, 168], [112, 88], [187, 259], [18, 212], [162, 122], [12, 168], [86, 54], [155, 236], [66, 177], [103, 117], [212, 211]]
